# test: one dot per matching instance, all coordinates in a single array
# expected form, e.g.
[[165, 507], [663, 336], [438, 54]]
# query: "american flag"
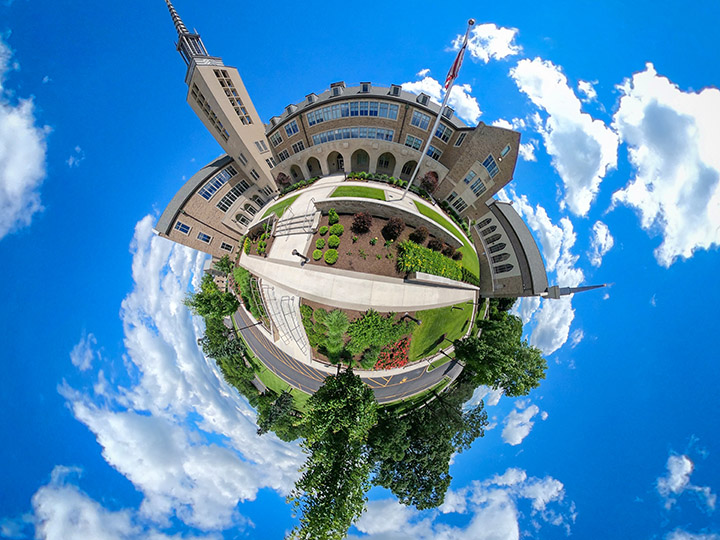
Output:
[[455, 69]]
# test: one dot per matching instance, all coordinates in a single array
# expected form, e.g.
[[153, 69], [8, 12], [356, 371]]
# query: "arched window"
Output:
[[484, 223], [500, 258], [497, 247], [494, 238], [257, 200], [503, 268], [250, 209], [487, 231], [242, 219]]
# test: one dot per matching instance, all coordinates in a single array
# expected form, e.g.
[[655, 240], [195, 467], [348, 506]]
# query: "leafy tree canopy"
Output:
[[224, 265], [209, 302]]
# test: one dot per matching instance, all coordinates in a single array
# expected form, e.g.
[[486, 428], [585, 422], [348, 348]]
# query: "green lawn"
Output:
[[279, 208], [359, 191], [453, 323], [469, 260]]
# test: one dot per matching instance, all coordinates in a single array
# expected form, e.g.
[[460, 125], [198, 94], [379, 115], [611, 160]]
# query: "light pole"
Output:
[[248, 326], [298, 254], [408, 316]]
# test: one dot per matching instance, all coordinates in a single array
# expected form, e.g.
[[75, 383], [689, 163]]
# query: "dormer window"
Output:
[[311, 98], [448, 112], [290, 109], [423, 99], [365, 87], [337, 88], [395, 90]]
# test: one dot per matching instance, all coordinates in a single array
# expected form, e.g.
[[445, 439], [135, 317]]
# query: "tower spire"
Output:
[[556, 292], [179, 24]]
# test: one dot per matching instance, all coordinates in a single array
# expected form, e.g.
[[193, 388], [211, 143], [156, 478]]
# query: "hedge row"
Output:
[[415, 258], [389, 180], [298, 185]]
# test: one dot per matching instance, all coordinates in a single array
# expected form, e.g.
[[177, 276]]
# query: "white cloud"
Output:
[[489, 41], [423, 72], [576, 337], [588, 89], [465, 106], [518, 424], [484, 393], [162, 433], [62, 511], [673, 145], [22, 157], [83, 352], [677, 480], [600, 243], [76, 158], [527, 151], [582, 149], [502, 507], [679, 534]]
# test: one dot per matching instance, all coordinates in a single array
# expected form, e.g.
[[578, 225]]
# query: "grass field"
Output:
[[470, 259], [279, 208], [451, 321], [359, 191]]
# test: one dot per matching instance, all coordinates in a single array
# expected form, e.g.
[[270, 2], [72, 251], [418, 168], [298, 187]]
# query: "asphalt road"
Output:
[[309, 379]]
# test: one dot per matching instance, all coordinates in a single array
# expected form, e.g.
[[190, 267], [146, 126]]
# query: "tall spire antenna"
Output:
[[179, 24]]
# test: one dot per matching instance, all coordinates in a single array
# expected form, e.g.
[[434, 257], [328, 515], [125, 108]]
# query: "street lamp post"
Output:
[[298, 254], [408, 316]]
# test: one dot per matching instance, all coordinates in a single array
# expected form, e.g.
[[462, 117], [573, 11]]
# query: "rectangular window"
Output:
[[491, 166], [180, 226], [443, 133], [451, 197], [291, 128], [460, 139], [267, 190], [261, 146], [231, 196], [413, 142], [363, 108], [434, 152], [420, 120], [275, 138], [242, 159], [505, 151], [226, 247], [271, 162], [282, 156], [254, 174], [478, 187], [204, 237], [353, 133], [216, 182], [298, 147], [459, 205], [469, 177]]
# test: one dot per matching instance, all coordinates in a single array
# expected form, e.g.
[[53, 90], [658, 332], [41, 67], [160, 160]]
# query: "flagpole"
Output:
[[471, 22]]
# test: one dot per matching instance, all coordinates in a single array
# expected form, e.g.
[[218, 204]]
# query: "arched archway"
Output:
[[385, 164], [408, 169], [335, 162], [313, 166], [360, 161], [296, 173]]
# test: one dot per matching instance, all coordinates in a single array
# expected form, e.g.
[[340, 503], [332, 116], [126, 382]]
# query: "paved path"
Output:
[[308, 379]]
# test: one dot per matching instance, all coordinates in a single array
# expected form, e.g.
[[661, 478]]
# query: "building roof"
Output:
[[532, 267], [356, 92], [167, 219]]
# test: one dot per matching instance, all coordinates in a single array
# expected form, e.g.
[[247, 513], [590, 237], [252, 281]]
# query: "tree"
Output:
[[224, 265], [278, 410], [413, 453], [209, 302], [337, 324], [429, 182], [330, 494], [283, 179], [500, 358]]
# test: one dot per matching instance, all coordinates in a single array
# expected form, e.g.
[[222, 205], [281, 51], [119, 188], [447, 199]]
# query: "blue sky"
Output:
[[115, 426]]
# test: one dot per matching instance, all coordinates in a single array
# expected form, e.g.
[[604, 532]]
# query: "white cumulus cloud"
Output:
[[22, 156], [672, 139], [677, 480], [583, 149], [588, 89], [600, 243], [461, 100], [83, 352], [519, 423], [489, 41], [679, 534]]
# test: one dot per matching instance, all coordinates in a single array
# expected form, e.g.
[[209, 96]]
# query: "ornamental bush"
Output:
[[331, 256], [374, 330], [393, 228], [320, 243], [323, 230], [361, 222], [337, 229], [448, 251], [333, 241], [429, 182], [414, 258], [333, 217], [317, 254], [435, 244], [457, 256], [419, 235]]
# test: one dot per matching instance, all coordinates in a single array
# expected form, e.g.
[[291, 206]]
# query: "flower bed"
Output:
[[395, 355], [415, 258]]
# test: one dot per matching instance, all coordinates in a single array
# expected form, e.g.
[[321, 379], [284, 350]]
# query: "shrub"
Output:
[[337, 229], [331, 256], [393, 228], [457, 256], [333, 216], [373, 241], [247, 246], [448, 251], [320, 243], [354, 239], [333, 241], [395, 355], [361, 222], [370, 357], [373, 330], [323, 230], [317, 254], [429, 182], [414, 258], [435, 244], [283, 179], [419, 235]]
